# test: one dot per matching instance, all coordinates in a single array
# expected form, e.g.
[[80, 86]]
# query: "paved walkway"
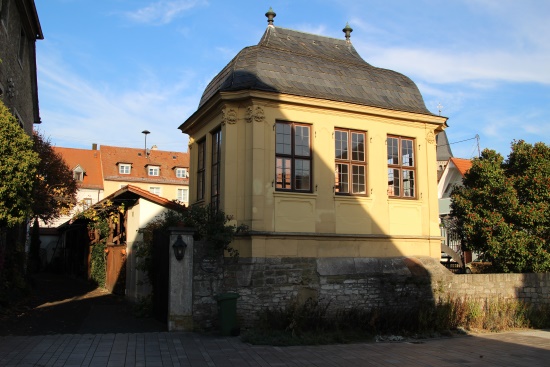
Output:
[[525, 348]]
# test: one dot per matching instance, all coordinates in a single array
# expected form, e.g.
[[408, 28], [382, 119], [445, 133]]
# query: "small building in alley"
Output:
[[331, 164]]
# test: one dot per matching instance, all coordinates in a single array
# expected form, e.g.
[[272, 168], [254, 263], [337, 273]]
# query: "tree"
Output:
[[18, 165], [503, 208], [55, 188]]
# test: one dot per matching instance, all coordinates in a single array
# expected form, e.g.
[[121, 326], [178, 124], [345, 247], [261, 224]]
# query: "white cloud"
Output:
[[162, 12], [507, 42], [308, 28], [444, 66], [94, 112]]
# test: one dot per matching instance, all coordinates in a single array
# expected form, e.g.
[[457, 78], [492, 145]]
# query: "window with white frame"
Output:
[[153, 170], [86, 203], [154, 190], [124, 169], [181, 172], [183, 195], [78, 174]]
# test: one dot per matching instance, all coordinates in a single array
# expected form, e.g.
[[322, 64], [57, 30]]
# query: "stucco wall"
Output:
[[137, 284], [248, 175]]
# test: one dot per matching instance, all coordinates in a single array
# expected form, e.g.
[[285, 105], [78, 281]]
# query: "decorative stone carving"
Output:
[[191, 142], [11, 88], [254, 114], [229, 116], [430, 138]]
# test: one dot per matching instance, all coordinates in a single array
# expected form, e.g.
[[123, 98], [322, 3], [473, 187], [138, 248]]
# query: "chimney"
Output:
[[154, 147], [94, 146]]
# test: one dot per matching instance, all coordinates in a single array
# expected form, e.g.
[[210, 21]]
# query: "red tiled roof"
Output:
[[146, 195], [462, 165], [88, 160], [167, 161], [133, 192]]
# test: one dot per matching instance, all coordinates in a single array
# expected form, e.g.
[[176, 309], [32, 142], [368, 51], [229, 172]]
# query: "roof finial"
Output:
[[347, 30], [270, 15]]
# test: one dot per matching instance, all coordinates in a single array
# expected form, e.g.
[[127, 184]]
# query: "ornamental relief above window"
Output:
[[430, 138], [254, 113], [229, 116]]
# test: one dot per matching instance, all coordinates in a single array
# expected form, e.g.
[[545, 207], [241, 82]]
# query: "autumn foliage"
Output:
[[503, 208], [55, 188]]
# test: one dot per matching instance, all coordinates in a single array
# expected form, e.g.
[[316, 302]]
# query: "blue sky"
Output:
[[107, 70]]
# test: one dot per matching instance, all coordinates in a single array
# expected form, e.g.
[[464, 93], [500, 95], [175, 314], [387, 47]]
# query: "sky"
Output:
[[110, 69]]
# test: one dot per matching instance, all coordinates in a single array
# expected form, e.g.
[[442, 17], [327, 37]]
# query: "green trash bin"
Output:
[[227, 312]]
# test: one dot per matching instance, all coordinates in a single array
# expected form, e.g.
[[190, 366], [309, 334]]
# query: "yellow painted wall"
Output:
[[385, 226]]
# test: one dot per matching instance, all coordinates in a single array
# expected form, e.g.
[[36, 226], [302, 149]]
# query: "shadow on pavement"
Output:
[[64, 305]]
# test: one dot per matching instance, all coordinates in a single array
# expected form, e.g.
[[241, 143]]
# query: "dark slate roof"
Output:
[[303, 64], [443, 148]]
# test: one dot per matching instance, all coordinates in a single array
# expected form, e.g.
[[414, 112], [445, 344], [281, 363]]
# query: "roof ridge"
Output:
[[264, 42], [311, 34]]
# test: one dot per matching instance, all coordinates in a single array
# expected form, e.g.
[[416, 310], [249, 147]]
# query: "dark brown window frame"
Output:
[[402, 167], [350, 163], [22, 46], [201, 169], [215, 182], [282, 183]]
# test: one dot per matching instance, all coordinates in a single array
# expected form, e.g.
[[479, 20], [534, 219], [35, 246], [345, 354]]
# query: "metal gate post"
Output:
[[180, 287]]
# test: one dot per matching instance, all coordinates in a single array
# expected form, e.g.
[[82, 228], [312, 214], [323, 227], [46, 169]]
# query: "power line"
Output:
[[461, 141]]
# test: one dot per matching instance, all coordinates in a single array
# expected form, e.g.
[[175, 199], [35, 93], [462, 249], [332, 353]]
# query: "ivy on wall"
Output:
[[101, 219]]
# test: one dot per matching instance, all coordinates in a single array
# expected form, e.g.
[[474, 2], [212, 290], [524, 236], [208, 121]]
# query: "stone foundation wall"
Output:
[[275, 283], [531, 288]]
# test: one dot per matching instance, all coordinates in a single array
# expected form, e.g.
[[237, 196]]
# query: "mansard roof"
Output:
[[303, 64], [443, 148]]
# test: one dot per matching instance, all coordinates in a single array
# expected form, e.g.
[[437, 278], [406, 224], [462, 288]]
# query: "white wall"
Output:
[[139, 216]]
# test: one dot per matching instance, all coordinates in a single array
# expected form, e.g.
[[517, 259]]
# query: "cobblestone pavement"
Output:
[[519, 348]]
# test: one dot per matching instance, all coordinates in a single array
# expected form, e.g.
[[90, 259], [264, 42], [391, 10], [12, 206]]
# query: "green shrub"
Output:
[[98, 264]]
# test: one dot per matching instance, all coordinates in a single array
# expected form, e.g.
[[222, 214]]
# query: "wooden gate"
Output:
[[116, 268], [161, 245]]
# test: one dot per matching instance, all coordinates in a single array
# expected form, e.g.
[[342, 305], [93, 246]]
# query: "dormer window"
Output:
[[153, 170], [181, 173], [124, 168], [78, 174]]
